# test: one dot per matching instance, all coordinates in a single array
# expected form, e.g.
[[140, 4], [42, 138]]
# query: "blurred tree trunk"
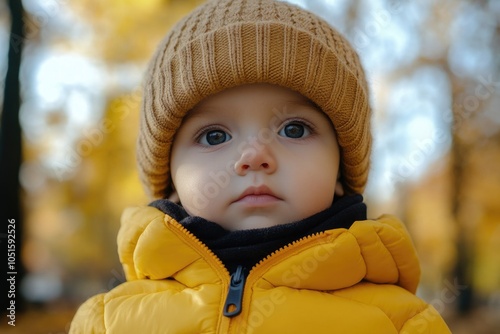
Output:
[[460, 151], [10, 155], [464, 244]]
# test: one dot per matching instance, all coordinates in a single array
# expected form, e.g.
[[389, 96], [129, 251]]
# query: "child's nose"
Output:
[[255, 159]]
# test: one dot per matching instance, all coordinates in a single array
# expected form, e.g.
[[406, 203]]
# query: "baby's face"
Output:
[[255, 156]]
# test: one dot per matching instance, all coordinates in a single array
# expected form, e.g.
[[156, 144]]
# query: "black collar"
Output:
[[248, 247]]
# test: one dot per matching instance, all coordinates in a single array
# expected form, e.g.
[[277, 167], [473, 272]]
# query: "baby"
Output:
[[254, 147]]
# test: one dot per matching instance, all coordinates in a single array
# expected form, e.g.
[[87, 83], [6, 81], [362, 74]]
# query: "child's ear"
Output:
[[174, 197], [339, 187]]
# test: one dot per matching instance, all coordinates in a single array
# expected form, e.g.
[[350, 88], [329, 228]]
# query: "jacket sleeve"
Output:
[[429, 321], [89, 318]]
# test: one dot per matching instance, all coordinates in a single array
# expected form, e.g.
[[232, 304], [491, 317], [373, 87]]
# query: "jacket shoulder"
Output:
[[408, 313], [427, 321], [388, 250], [133, 222], [89, 318]]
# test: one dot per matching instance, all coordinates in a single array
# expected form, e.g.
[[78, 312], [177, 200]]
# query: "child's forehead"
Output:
[[262, 95]]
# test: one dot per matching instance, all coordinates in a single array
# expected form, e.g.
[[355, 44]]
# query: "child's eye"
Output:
[[295, 130], [214, 137]]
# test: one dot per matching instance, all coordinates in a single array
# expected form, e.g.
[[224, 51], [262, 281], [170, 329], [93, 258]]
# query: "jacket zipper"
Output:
[[232, 306], [234, 296]]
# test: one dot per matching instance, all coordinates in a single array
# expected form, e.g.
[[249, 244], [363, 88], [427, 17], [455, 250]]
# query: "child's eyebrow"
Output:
[[197, 111], [304, 102]]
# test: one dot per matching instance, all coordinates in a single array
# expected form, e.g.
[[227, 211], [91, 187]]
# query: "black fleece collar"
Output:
[[248, 247]]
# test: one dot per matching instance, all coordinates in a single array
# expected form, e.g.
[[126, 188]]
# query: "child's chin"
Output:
[[255, 222]]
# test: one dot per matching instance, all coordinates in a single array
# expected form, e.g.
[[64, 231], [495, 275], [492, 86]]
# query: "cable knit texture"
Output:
[[226, 43]]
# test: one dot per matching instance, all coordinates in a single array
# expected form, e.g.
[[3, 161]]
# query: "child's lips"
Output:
[[257, 196], [257, 200]]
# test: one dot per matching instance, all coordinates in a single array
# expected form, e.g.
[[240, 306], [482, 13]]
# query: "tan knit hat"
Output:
[[226, 43]]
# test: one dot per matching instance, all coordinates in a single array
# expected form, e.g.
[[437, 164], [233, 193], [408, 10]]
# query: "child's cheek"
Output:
[[202, 183]]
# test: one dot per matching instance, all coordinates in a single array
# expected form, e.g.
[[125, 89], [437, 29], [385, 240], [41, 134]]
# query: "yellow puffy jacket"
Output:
[[360, 280]]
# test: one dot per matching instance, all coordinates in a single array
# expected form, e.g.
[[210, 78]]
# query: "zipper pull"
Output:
[[232, 307]]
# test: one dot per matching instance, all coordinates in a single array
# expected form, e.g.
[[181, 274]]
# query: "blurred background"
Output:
[[70, 79]]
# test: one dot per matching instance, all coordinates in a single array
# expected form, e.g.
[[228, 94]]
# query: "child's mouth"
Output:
[[258, 200], [257, 196]]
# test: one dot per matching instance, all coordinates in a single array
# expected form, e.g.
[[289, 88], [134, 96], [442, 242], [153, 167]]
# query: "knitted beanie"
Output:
[[227, 43]]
